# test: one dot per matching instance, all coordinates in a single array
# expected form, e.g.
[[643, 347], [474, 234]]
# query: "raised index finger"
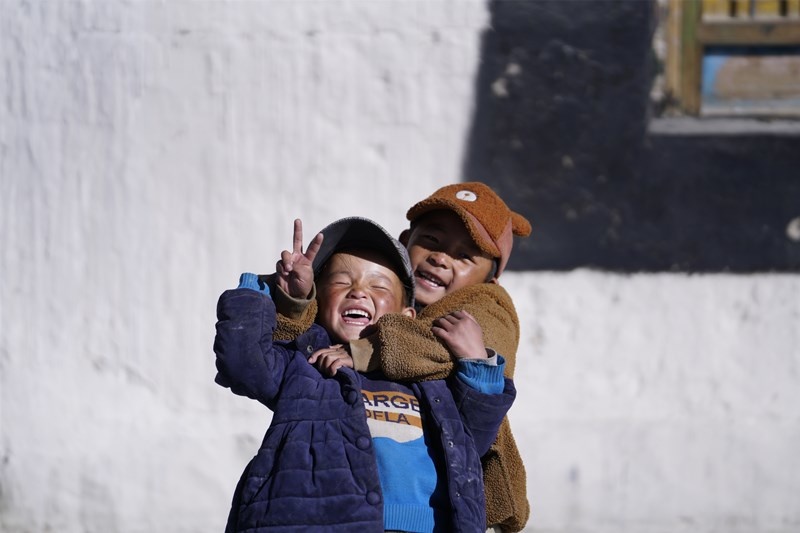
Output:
[[297, 238]]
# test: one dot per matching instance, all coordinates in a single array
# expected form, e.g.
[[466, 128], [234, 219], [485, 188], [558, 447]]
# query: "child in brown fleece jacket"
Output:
[[459, 242]]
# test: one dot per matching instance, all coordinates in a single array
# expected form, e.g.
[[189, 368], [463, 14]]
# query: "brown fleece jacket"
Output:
[[406, 350]]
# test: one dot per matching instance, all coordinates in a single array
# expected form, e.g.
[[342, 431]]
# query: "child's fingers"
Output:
[[446, 319], [316, 355], [331, 360], [451, 320], [346, 361], [466, 314], [322, 352], [441, 333], [460, 315], [287, 262], [297, 236], [330, 364], [313, 247], [446, 323]]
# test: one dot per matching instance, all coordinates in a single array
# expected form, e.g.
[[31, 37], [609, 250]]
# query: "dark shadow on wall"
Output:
[[560, 131]]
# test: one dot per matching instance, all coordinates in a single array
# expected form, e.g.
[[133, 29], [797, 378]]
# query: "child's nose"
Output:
[[438, 259], [357, 291]]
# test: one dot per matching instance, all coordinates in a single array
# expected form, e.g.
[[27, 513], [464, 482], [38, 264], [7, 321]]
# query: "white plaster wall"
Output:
[[151, 151], [659, 403]]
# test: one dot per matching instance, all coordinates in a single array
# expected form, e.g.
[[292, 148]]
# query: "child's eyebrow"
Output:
[[435, 226], [383, 277], [342, 272]]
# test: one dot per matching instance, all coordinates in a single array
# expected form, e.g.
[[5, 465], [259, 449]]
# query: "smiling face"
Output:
[[444, 257], [355, 289]]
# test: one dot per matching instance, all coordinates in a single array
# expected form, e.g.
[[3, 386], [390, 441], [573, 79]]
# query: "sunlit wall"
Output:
[[151, 151]]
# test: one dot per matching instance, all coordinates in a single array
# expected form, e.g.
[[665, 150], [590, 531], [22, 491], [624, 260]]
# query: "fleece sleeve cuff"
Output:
[[363, 353], [293, 308]]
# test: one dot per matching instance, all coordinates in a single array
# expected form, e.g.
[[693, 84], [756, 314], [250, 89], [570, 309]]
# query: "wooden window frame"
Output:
[[689, 33]]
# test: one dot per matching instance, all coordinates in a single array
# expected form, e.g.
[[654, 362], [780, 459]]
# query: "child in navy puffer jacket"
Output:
[[355, 451]]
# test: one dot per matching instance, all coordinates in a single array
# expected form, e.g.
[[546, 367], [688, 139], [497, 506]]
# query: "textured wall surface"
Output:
[[152, 151], [659, 403]]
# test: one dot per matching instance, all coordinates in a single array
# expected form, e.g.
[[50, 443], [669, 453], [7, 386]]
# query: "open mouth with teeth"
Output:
[[356, 316], [429, 280]]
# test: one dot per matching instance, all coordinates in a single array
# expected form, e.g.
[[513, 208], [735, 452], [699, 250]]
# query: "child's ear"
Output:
[[410, 312], [404, 237]]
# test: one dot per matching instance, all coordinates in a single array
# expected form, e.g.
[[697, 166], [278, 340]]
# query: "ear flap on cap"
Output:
[[520, 225]]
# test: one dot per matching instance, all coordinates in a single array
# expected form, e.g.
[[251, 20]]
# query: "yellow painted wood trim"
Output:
[[691, 56]]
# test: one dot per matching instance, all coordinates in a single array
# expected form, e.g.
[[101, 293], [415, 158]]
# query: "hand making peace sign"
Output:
[[295, 271]]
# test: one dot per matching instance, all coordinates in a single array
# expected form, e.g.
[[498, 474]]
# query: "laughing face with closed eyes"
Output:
[[355, 289]]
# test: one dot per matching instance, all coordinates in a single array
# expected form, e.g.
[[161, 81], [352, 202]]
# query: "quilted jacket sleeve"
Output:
[[482, 413], [247, 361]]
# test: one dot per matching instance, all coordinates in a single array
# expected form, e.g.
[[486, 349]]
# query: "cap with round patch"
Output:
[[490, 222]]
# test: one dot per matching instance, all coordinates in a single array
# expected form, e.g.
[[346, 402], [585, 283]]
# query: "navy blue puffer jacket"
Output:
[[316, 468]]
